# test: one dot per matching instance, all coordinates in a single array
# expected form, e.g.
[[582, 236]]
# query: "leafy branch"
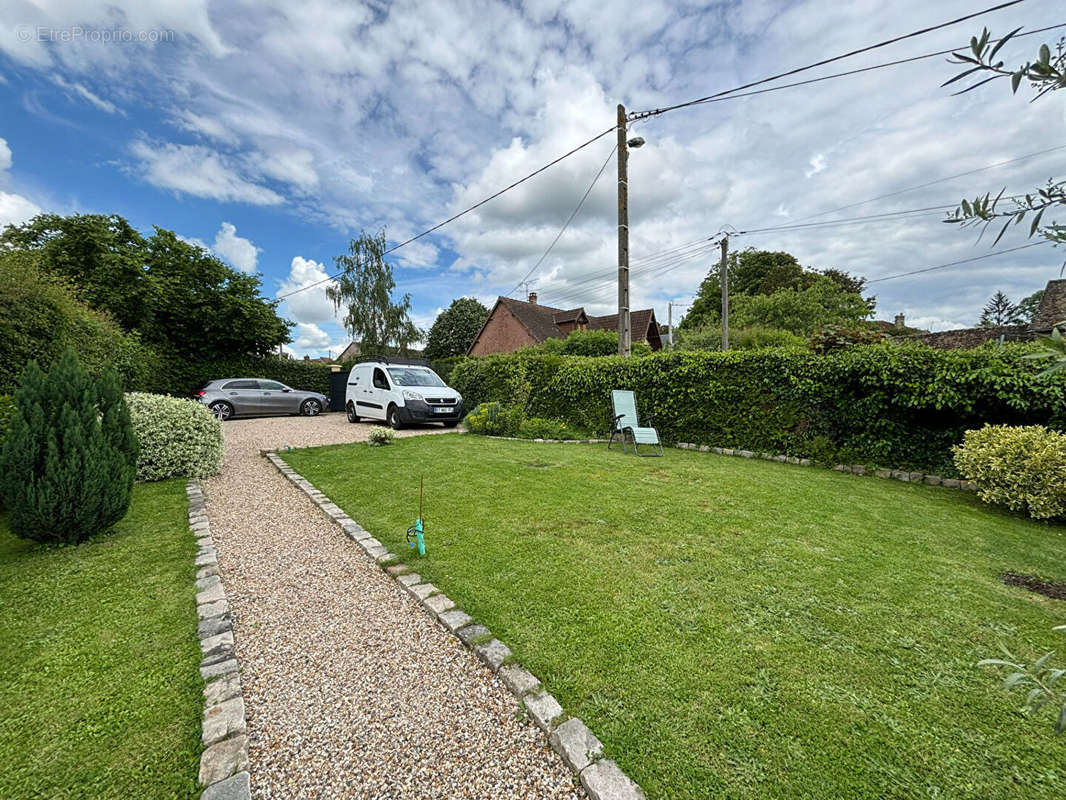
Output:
[[1045, 74], [1054, 347], [1041, 680]]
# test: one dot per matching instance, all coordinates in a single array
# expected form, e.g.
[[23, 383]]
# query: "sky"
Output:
[[272, 133]]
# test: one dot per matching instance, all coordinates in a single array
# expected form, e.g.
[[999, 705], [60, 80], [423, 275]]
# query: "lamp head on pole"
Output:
[[635, 142]]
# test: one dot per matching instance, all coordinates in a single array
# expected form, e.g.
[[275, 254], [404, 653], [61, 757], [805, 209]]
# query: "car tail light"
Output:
[[200, 393]]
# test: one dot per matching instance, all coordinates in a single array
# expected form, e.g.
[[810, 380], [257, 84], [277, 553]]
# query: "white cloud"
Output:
[[205, 126], [293, 166], [198, 171], [371, 116], [935, 323], [818, 164], [81, 91], [311, 305], [310, 337], [16, 209], [238, 251]]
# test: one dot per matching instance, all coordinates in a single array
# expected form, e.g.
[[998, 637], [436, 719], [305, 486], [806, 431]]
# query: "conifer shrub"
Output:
[[68, 462], [178, 437]]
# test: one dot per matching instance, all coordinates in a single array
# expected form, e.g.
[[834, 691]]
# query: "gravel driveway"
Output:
[[351, 689]]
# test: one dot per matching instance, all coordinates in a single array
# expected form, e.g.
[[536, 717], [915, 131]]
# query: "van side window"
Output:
[[380, 381]]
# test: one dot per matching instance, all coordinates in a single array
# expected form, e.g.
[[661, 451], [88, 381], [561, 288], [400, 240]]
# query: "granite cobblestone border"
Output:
[[224, 762], [578, 747], [854, 469]]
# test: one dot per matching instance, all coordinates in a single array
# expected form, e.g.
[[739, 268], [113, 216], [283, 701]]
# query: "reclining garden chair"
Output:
[[627, 426]]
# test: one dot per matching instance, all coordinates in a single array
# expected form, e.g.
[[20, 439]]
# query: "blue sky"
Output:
[[274, 132]]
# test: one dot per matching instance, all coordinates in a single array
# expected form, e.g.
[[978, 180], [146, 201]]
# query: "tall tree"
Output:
[[999, 310], [455, 328], [1028, 306], [762, 273], [200, 307], [177, 296], [365, 286], [102, 256]]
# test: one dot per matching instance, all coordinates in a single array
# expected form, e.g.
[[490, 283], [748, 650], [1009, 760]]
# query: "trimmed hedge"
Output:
[[178, 437], [1022, 468], [897, 406], [176, 375]]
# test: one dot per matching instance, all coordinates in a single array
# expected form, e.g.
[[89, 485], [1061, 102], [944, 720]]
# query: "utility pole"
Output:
[[670, 326], [723, 279], [624, 333]]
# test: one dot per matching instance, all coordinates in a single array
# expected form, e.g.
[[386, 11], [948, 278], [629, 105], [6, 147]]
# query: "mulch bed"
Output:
[[1056, 591]]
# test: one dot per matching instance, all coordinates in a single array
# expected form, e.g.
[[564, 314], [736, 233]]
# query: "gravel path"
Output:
[[351, 689]]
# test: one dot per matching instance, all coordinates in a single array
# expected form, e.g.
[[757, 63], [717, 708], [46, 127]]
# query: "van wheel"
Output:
[[393, 418], [450, 424], [352, 416]]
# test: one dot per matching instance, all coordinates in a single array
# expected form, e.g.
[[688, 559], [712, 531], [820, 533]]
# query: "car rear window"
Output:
[[242, 385]]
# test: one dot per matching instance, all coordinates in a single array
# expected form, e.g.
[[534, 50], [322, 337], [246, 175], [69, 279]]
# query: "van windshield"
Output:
[[403, 376]]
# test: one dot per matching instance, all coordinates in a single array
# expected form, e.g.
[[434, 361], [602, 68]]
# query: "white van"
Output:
[[400, 394]]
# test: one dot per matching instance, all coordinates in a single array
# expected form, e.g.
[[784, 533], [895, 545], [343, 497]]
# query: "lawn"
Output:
[[736, 628], [100, 692]]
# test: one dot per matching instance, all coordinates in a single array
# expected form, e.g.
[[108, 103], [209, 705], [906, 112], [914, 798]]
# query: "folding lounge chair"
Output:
[[627, 426]]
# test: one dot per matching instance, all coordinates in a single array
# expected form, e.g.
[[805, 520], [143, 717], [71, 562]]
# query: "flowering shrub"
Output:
[[178, 437], [1023, 468], [378, 436]]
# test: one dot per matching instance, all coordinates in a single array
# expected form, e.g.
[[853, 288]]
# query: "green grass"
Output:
[[99, 682], [736, 628]]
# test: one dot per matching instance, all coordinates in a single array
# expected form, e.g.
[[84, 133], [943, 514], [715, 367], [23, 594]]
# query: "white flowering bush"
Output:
[[178, 437], [379, 437]]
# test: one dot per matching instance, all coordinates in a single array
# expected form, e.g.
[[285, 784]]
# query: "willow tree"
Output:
[[365, 286]]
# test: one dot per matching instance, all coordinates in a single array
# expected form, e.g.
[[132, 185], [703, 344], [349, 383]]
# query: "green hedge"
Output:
[[897, 406], [179, 376]]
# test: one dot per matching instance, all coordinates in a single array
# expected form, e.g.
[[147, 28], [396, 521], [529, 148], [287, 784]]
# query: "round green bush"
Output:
[[1022, 468], [178, 437]]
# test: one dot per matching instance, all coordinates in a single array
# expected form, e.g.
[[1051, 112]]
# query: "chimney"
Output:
[[899, 321], [533, 298]]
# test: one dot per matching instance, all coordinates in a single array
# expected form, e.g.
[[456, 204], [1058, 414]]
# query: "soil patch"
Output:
[[1056, 591]]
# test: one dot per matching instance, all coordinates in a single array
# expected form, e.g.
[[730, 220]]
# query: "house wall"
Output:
[[502, 334]]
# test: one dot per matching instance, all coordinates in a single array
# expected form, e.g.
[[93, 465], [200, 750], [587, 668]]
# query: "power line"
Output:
[[939, 180], [888, 216], [731, 96], [921, 32], [454, 217], [955, 263], [702, 242], [569, 219], [672, 259]]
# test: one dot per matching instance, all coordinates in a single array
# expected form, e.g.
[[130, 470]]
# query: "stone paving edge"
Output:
[[224, 761], [582, 752], [854, 469]]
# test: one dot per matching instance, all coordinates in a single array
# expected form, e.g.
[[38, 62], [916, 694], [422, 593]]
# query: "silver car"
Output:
[[232, 397]]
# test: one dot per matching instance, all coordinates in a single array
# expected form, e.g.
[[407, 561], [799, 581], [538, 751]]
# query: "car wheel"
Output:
[[352, 416], [311, 408], [221, 409], [393, 418], [450, 424]]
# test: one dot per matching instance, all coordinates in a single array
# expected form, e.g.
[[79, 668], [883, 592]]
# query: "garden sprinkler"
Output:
[[418, 529]]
